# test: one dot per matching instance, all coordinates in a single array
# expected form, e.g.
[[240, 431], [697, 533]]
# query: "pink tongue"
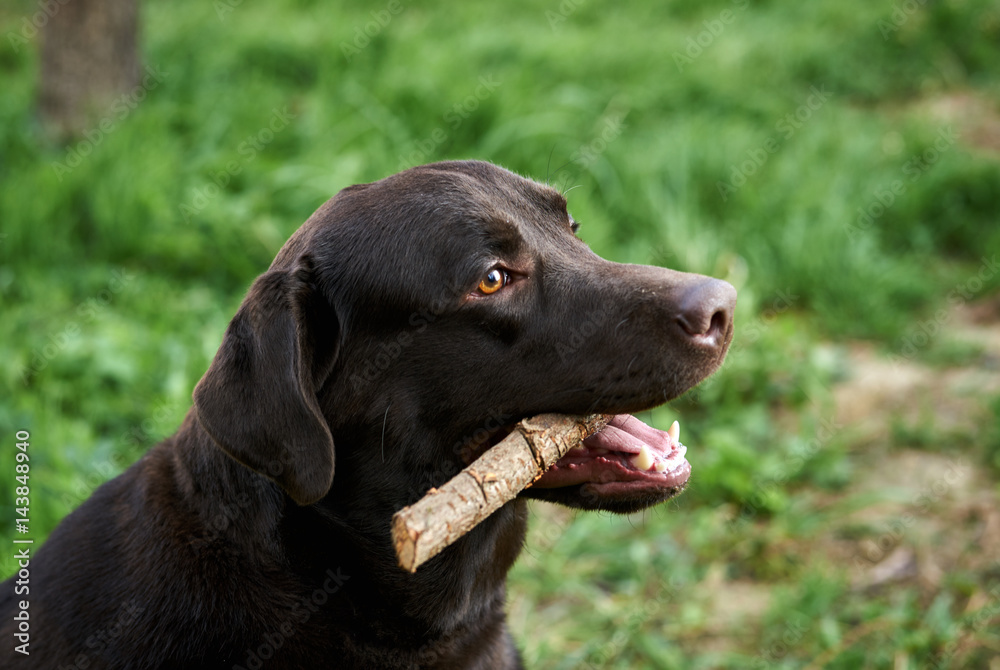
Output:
[[606, 461], [627, 434]]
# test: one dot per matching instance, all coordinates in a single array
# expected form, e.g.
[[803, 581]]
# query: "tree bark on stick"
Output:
[[424, 529]]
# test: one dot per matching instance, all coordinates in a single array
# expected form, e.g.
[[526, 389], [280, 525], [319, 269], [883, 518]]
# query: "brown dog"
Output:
[[400, 331]]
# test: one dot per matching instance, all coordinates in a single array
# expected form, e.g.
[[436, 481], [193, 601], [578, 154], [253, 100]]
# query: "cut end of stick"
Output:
[[405, 540]]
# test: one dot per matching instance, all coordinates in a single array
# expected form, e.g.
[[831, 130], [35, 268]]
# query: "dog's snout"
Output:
[[705, 312]]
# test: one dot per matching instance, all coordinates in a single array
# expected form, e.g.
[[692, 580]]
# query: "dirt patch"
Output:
[[934, 506], [887, 389], [976, 118]]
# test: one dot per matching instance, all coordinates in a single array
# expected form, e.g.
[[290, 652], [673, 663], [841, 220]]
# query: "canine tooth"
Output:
[[644, 459], [661, 466], [675, 431]]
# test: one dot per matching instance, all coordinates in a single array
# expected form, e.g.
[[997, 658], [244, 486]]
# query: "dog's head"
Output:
[[413, 320]]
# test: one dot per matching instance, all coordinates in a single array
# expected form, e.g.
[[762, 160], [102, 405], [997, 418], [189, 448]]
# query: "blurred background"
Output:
[[837, 161]]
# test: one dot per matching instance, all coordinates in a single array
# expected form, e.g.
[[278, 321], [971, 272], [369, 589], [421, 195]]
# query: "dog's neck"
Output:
[[356, 519], [352, 541]]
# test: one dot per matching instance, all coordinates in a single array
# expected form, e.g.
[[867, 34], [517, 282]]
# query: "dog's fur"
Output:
[[361, 369]]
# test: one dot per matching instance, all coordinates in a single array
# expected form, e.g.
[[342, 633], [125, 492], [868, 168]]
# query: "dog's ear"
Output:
[[258, 398]]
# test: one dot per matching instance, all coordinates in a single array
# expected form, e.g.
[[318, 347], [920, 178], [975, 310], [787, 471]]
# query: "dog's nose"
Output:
[[706, 312]]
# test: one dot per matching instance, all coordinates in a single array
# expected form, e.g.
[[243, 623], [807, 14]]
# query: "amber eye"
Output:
[[493, 282]]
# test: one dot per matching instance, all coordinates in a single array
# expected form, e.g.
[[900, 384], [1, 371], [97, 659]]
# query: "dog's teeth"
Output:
[[675, 461], [644, 459], [675, 431]]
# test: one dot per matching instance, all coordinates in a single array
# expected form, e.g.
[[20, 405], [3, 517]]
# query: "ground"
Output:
[[917, 522]]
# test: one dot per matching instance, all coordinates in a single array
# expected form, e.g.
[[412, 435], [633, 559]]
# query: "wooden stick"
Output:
[[443, 515]]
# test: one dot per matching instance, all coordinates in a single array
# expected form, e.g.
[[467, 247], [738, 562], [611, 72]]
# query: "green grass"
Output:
[[126, 264]]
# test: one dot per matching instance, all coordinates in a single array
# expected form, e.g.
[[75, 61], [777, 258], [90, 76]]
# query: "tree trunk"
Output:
[[89, 55]]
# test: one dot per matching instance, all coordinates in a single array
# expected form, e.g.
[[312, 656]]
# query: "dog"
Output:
[[402, 330]]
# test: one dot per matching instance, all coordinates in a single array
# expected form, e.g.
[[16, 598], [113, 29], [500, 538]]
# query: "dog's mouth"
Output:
[[625, 458]]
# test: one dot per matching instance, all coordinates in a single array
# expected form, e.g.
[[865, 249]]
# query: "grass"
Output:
[[821, 156]]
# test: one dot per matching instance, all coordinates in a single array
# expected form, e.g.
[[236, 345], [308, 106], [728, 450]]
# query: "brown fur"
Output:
[[359, 371]]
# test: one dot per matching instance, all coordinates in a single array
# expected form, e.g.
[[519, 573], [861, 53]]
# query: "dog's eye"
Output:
[[574, 225], [494, 281]]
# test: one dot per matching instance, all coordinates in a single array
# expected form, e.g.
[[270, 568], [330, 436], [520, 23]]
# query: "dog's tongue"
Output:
[[629, 435], [626, 451]]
